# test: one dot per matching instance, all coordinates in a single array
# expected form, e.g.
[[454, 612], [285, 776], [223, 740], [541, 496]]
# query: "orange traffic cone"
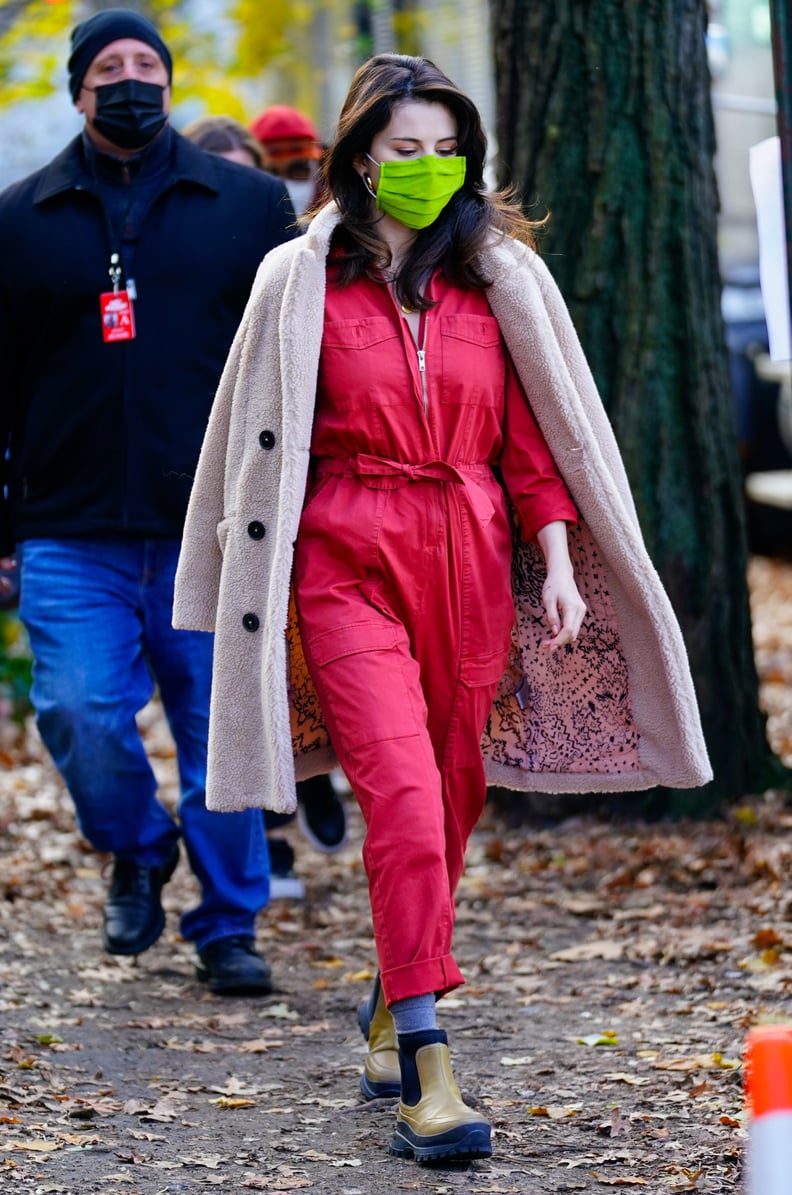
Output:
[[768, 1090]]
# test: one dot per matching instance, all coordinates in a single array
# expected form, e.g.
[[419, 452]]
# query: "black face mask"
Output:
[[129, 113]]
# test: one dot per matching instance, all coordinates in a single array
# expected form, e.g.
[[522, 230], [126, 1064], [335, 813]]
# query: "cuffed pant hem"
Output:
[[437, 975]]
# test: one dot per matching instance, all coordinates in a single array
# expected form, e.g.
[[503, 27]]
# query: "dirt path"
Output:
[[613, 970]]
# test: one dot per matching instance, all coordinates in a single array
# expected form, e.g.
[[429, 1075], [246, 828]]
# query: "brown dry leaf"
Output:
[[641, 913], [152, 1023], [625, 1077], [261, 1182], [555, 1111], [210, 1161], [619, 1182], [193, 1047], [698, 1062], [163, 1111], [232, 1086], [225, 1101], [34, 1145], [765, 938], [599, 948], [135, 1107], [258, 1045], [309, 1030]]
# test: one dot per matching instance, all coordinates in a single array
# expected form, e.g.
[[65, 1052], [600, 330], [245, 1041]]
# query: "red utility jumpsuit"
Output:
[[402, 584]]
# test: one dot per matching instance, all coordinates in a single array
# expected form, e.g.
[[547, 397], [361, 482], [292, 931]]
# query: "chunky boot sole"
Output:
[[466, 1141], [373, 1089]]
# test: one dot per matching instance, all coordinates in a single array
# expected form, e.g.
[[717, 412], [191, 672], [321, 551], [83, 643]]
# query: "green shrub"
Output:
[[16, 668]]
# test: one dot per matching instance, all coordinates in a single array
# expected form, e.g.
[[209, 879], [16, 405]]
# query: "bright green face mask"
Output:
[[416, 190]]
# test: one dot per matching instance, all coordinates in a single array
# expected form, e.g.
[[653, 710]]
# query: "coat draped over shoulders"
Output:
[[616, 711]]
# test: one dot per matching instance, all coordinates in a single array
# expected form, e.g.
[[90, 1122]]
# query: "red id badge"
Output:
[[118, 318]]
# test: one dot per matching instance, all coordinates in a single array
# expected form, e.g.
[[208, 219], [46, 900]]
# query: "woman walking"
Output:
[[405, 398]]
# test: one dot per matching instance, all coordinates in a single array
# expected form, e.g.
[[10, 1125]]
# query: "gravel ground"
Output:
[[613, 969]]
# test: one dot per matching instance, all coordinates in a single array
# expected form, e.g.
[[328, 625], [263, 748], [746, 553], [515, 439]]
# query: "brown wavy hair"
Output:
[[222, 135], [455, 240]]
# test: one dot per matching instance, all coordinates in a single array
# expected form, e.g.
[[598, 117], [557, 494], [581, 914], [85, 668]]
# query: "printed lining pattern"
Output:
[[576, 716]]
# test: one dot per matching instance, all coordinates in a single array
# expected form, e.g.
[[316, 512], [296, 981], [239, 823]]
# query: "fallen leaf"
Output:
[[279, 1011], [598, 1039], [596, 949], [35, 1145], [259, 1045], [224, 1101], [210, 1161], [698, 1062], [619, 1182], [556, 1111]]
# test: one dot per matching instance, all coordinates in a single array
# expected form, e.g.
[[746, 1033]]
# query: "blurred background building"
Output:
[[743, 96]]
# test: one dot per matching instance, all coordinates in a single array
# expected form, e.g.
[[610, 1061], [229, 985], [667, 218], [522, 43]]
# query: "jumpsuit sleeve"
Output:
[[530, 474]]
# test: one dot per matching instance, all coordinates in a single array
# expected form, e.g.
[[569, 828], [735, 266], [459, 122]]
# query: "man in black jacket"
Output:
[[125, 265]]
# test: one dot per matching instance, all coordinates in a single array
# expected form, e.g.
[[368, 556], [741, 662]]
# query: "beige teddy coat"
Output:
[[616, 711]]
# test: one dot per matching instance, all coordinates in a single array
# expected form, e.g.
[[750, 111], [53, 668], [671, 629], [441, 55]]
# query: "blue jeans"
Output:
[[98, 614]]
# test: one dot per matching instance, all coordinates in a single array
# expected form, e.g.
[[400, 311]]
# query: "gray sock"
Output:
[[414, 1014]]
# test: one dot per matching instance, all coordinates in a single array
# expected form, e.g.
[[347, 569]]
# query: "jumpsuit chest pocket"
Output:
[[474, 368], [363, 365]]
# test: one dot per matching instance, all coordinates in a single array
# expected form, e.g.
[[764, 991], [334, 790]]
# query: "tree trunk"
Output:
[[605, 119]]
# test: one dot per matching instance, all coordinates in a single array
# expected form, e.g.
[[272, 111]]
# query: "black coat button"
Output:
[[256, 530], [250, 622], [267, 439]]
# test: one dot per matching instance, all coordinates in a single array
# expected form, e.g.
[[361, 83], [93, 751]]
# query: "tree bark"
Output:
[[605, 119]]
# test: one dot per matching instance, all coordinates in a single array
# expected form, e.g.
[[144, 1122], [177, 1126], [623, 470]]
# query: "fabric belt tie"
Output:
[[378, 466]]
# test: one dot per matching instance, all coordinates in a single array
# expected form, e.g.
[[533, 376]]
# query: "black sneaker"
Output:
[[133, 914], [321, 814], [231, 967]]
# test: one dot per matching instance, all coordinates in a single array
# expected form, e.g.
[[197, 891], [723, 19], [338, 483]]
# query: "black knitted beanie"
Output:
[[91, 36]]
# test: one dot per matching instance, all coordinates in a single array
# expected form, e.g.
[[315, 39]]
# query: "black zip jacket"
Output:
[[102, 439]]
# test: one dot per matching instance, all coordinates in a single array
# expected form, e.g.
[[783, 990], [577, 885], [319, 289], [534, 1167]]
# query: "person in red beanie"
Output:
[[292, 151]]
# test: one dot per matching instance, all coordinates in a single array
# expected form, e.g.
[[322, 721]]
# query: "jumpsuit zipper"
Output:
[[422, 363], [420, 347], [422, 369]]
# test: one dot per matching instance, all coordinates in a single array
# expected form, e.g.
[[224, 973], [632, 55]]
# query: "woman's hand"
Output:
[[564, 607]]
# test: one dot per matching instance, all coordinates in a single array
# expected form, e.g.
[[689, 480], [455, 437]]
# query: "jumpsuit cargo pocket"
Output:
[[367, 682], [354, 353], [474, 366], [479, 677]]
